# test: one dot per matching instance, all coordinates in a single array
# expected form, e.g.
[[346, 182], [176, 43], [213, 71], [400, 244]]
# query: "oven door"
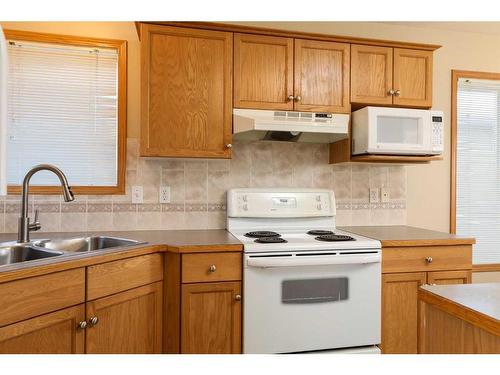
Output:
[[295, 302], [399, 131]]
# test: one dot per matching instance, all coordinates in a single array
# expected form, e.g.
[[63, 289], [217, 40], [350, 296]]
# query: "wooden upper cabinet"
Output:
[[129, 322], [186, 107], [321, 76], [400, 312], [412, 77], [263, 72], [211, 318], [371, 74], [53, 333]]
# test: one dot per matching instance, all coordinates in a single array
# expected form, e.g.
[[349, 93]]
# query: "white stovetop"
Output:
[[299, 240]]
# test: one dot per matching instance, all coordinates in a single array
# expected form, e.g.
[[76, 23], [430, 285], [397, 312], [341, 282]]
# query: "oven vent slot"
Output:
[[271, 256], [358, 252], [313, 254]]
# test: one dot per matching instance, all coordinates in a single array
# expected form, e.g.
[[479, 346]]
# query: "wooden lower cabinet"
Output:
[[53, 333], [127, 322], [211, 318], [449, 277], [400, 309]]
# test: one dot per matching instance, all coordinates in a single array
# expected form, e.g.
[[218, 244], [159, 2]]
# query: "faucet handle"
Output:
[[36, 224]]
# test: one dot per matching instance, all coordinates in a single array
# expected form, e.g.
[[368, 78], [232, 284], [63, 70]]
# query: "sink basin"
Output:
[[83, 244], [22, 253]]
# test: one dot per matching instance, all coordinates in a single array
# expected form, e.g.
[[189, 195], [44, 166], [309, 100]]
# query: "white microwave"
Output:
[[397, 131]]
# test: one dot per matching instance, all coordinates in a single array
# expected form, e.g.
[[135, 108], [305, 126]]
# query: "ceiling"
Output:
[[468, 27]]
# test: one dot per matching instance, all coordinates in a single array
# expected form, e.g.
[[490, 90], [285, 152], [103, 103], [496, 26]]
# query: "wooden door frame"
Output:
[[455, 76]]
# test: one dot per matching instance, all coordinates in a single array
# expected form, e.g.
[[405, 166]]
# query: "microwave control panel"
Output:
[[437, 131]]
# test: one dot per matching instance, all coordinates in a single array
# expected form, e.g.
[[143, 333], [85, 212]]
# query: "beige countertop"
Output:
[[402, 235], [178, 241], [479, 304]]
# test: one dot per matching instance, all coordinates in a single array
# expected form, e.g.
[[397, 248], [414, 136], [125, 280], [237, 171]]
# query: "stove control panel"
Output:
[[280, 203]]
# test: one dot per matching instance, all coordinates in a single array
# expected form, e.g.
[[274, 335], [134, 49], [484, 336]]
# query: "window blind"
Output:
[[478, 166], [62, 109]]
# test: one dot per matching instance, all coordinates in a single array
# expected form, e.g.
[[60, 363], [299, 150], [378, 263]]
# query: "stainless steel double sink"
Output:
[[12, 252]]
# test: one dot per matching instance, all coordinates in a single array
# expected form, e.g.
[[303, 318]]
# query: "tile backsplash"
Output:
[[198, 190]]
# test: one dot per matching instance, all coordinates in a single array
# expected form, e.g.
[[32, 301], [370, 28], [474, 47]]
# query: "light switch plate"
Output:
[[164, 194], [137, 194], [384, 194], [374, 195]]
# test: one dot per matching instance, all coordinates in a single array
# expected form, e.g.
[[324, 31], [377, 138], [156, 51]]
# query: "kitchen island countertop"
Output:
[[470, 311]]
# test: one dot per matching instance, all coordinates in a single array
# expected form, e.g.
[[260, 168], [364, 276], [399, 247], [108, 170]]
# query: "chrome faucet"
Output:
[[24, 221]]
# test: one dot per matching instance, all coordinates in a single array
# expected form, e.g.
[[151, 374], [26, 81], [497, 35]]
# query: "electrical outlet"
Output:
[[384, 194], [164, 194], [137, 194], [374, 195]]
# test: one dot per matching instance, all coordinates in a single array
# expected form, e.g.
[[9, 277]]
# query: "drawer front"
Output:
[[26, 298], [113, 277], [426, 258], [209, 267]]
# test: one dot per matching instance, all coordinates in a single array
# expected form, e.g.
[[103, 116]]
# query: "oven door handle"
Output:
[[295, 261]]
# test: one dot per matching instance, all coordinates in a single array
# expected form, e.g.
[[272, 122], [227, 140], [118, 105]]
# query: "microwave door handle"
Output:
[[295, 261]]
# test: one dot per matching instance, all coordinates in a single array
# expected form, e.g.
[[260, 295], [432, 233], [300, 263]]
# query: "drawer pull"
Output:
[[94, 321], [82, 325], [237, 297], [428, 260], [212, 268]]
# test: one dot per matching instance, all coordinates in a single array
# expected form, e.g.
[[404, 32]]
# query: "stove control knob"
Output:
[[318, 198], [245, 207], [245, 199], [318, 207]]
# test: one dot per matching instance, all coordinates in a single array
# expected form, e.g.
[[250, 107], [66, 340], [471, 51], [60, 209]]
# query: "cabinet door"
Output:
[[400, 312], [412, 77], [371, 74], [263, 72], [186, 105], [54, 333], [128, 322], [321, 76], [211, 318], [449, 277]]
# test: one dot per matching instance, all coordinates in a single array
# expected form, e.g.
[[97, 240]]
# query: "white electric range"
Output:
[[307, 286]]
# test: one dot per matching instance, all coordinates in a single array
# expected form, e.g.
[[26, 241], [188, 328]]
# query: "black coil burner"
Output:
[[261, 234], [334, 237], [319, 232], [270, 240]]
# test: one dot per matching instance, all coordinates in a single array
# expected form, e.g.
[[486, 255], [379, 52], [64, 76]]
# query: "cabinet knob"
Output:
[[298, 98], [290, 98], [391, 92], [229, 145], [212, 268], [82, 325], [428, 259], [237, 297], [94, 320], [397, 92]]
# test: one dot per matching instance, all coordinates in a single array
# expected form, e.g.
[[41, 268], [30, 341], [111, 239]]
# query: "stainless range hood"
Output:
[[251, 125]]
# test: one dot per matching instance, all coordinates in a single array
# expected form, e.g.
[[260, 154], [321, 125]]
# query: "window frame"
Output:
[[121, 48], [455, 76]]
